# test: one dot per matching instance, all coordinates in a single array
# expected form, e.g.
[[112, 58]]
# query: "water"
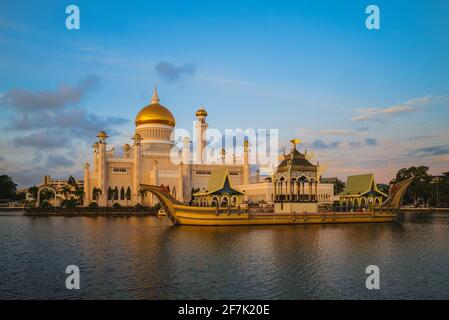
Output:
[[148, 258]]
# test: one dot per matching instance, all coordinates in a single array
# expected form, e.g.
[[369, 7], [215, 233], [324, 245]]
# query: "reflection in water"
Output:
[[148, 258]]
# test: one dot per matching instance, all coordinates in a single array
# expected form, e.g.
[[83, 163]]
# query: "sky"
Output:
[[360, 100]]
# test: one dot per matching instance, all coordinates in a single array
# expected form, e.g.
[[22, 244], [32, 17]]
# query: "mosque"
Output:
[[113, 178]]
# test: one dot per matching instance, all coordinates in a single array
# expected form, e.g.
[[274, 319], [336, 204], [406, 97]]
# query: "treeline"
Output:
[[426, 189]]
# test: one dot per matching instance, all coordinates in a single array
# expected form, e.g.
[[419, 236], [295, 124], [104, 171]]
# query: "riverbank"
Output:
[[91, 212], [424, 210]]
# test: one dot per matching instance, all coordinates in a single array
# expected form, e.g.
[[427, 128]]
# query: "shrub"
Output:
[[93, 205], [70, 203], [116, 205], [46, 204]]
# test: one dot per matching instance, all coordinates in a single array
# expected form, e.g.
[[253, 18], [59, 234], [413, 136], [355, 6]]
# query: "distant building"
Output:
[[59, 189]]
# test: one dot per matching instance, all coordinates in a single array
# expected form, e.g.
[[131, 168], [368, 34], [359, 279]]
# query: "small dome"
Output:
[[201, 112], [102, 134]]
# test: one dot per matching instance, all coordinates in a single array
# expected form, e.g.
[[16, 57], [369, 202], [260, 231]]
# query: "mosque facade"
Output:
[[112, 178]]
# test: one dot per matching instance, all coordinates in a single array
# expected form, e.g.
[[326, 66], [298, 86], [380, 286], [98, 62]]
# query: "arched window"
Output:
[[122, 193], [116, 193], [128, 193]]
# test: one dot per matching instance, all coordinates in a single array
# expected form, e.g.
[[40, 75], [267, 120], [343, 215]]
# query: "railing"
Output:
[[296, 198]]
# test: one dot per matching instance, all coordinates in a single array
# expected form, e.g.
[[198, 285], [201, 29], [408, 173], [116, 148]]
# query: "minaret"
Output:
[[137, 151], [201, 127], [180, 193], [186, 173], [95, 147], [185, 155], [102, 169], [87, 198], [246, 167], [126, 149]]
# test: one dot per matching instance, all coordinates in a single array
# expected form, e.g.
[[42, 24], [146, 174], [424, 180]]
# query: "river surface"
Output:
[[148, 258]]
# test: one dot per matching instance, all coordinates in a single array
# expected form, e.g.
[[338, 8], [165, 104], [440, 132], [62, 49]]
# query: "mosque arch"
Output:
[[224, 201], [46, 187], [122, 193], [115, 193], [363, 203]]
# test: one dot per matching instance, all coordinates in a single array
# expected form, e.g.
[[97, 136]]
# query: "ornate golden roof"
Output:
[[102, 134], [155, 113], [201, 112]]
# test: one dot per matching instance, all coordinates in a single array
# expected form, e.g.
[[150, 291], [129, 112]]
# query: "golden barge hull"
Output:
[[181, 214], [245, 219]]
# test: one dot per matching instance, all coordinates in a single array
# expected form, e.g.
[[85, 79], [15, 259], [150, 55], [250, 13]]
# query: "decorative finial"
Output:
[[155, 97], [294, 143]]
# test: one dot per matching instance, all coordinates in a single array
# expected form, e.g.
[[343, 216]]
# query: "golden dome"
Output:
[[102, 134], [155, 113], [137, 137], [201, 112]]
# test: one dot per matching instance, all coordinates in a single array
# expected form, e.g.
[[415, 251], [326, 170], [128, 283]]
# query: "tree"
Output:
[[142, 193], [8, 188], [128, 196], [66, 191], [96, 193], [110, 195], [80, 195], [33, 191], [116, 193], [444, 188], [47, 194], [339, 186]]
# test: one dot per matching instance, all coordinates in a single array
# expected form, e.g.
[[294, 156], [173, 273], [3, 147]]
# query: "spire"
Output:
[[294, 143], [155, 97]]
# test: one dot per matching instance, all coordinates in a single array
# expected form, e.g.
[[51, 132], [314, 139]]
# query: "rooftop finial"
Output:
[[155, 97], [294, 143]]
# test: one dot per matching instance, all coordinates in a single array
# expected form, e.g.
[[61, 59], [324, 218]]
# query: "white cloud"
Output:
[[409, 106]]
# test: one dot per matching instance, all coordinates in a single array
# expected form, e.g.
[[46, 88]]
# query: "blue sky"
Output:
[[362, 100]]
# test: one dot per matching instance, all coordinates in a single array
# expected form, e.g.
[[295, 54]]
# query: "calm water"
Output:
[[148, 258]]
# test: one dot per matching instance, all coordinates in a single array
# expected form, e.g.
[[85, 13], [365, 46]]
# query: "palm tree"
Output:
[[116, 195], [66, 190], [80, 195], [142, 193], [110, 195], [33, 191], [96, 192]]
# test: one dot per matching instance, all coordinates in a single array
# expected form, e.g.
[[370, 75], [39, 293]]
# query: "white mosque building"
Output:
[[147, 161]]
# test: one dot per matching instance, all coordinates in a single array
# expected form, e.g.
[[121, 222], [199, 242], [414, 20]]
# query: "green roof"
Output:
[[218, 180], [359, 185]]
